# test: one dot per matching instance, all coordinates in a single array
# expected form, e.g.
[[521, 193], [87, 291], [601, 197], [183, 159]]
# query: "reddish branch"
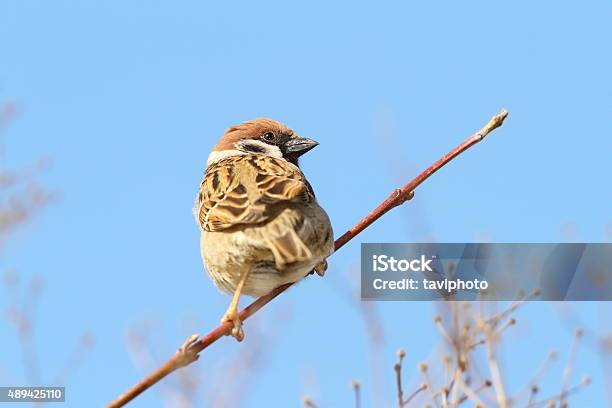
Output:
[[194, 345]]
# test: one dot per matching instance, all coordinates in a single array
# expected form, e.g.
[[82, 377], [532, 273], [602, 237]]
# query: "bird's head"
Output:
[[261, 136]]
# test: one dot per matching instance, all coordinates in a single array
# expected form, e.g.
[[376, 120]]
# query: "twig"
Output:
[[583, 383], [532, 388], [470, 394], [191, 349], [442, 329], [496, 377], [75, 359], [424, 368], [398, 377], [415, 393], [308, 403], [496, 318], [357, 388], [447, 377], [508, 323], [533, 392], [567, 372], [484, 385]]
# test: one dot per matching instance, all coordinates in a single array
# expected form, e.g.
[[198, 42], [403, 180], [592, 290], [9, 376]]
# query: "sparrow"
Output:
[[261, 226]]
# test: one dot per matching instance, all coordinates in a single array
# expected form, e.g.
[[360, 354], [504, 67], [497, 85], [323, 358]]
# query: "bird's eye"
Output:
[[269, 137]]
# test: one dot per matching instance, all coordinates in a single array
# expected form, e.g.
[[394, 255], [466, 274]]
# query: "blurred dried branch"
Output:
[[357, 389], [22, 197], [20, 194], [598, 339], [309, 403], [472, 334], [463, 332], [347, 288]]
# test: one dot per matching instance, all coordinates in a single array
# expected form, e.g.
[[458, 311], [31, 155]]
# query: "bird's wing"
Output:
[[247, 190]]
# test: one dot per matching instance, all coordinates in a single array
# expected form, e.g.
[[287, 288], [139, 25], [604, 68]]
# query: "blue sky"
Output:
[[127, 99]]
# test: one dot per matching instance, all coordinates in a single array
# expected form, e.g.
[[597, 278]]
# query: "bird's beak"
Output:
[[298, 146]]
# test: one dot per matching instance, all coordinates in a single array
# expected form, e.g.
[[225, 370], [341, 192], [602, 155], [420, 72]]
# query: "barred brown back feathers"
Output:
[[248, 189]]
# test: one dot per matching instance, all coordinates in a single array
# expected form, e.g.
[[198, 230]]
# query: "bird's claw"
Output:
[[321, 267], [237, 332]]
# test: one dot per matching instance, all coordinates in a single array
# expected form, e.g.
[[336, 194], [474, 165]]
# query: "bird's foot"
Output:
[[233, 317], [321, 267]]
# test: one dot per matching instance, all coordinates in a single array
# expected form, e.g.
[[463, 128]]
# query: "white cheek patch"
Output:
[[215, 156]]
